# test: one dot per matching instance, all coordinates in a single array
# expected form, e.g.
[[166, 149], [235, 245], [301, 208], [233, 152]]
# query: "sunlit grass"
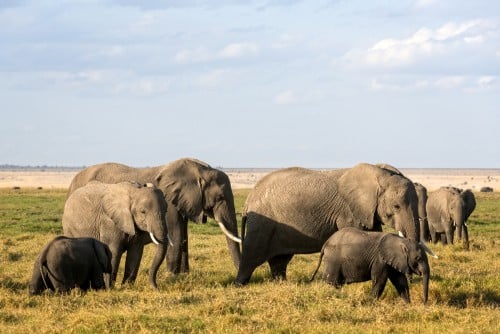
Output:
[[464, 294]]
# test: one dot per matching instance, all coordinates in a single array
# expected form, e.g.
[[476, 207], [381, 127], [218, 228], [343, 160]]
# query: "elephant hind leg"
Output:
[[278, 265]]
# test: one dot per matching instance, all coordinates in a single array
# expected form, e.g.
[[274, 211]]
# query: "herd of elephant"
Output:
[[112, 209]]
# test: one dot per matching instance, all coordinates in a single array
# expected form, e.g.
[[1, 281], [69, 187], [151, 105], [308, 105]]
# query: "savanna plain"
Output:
[[464, 294]]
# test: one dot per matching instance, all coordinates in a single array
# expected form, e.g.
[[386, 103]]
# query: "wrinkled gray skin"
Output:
[[192, 189], [380, 195], [290, 211], [66, 263], [122, 216], [352, 255], [448, 210], [422, 211]]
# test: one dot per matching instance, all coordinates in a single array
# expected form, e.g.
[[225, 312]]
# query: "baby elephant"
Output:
[[353, 255], [66, 263]]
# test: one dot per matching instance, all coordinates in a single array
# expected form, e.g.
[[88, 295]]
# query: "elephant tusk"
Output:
[[428, 250], [170, 241], [229, 234], [153, 238], [401, 234]]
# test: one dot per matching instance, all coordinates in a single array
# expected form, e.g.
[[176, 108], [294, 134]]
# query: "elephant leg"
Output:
[[116, 256], [278, 265], [449, 235], [184, 248], [132, 262], [97, 278], [400, 283], [333, 273], [254, 251], [379, 279], [443, 238], [176, 231]]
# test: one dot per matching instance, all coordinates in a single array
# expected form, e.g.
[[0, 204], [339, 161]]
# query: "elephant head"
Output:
[[140, 207], [406, 256], [457, 214], [381, 196], [194, 188]]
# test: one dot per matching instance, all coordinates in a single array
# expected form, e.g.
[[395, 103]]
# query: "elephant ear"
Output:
[[116, 204], [182, 186], [359, 186], [470, 202], [394, 251], [103, 255]]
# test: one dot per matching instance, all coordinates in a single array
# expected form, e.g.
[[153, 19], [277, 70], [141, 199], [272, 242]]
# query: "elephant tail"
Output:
[[319, 265]]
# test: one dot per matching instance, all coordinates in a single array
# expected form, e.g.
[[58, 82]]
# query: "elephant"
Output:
[[125, 216], [295, 210], [66, 263], [352, 255], [289, 211], [448, 209], [470, 205], [422, 211], [192, 189]]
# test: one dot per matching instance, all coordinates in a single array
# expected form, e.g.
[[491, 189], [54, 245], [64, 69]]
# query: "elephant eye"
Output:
[[397, 207]]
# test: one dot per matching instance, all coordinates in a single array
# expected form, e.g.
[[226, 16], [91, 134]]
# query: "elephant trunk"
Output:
[[225, 215], [466, 236], [161, 251], [425, 280]]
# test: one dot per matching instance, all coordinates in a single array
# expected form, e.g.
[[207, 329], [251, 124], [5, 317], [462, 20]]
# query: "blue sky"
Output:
[[250, 83]]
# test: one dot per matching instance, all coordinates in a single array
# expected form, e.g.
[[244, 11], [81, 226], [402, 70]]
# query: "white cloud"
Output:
[[469, 84], [425, 3], [213, 78], [238, 50], [201, 54], [284, 98], [424, 43]]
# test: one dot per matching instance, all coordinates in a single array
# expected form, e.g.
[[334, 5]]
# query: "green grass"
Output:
[[464, 292]]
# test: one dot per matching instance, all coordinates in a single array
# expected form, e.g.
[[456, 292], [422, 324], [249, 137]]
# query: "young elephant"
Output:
[[125, 216], [66, 263], [353, 255]]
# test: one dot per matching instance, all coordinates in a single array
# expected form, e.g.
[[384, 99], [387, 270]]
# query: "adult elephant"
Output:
[[125, 216], [191, 189], [447, 210], [288, 212]]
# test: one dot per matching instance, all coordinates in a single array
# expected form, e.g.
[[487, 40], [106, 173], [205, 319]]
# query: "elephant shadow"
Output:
[[463, 299]]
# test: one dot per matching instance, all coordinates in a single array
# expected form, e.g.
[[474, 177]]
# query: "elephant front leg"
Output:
[[400, 283], [379, 279], [132, 262], [185, 248]]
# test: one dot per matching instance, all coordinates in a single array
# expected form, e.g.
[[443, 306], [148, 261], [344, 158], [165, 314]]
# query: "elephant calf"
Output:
[[66, 263], [353, 255]]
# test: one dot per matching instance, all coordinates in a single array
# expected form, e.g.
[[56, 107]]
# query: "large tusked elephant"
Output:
[[448, 208], [290, 211], [65, 263], [125, 216], [352, 255], [191, 189]]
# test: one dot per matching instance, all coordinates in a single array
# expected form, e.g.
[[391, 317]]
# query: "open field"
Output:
[[464, 294], [432, 179]]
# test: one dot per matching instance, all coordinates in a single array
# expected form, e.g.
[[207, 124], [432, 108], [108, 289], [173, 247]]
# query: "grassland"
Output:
[[464, 291]]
